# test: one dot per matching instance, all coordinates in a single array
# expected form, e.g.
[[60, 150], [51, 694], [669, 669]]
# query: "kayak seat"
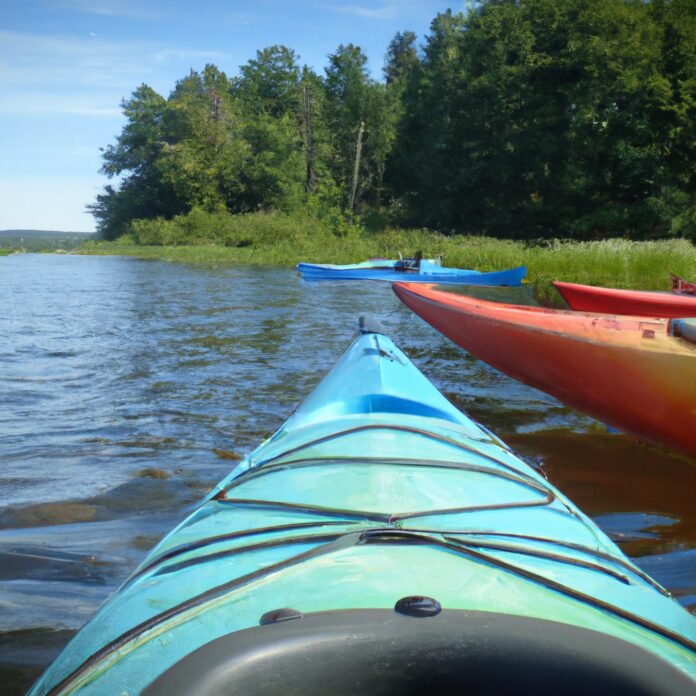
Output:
[[377, 652]]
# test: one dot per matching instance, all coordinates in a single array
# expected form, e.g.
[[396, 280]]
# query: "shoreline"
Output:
[[640, 265]]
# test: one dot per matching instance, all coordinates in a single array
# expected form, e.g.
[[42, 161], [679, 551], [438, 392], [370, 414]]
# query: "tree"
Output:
[[676, 200], [401, 58], [522, 118], [539, 117], [269, 92], [347, 84], [142, 192], [269, 83], [205, 154], [361, 124], [423, 157]]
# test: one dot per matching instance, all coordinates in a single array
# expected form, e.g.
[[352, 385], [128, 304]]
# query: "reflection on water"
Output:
[[128, 388], [640, 495]]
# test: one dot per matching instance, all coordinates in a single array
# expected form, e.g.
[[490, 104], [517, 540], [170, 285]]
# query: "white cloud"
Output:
[[242, 18], [85, 75], [47, 103], [388, 11], [178, 54], [110, 8], [54, 60]]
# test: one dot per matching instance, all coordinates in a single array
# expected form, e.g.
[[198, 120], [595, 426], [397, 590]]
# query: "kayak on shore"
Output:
[[633, 373], [425, 272], [587, 298], [381, 541]]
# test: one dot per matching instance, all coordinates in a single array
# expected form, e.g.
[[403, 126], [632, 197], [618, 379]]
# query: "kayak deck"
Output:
[[374, 490]]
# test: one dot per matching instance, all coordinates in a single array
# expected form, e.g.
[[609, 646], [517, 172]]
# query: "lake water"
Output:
[[128, 388]]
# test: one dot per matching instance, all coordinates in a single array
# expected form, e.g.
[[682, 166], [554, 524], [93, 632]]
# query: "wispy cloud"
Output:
[[178, 54], [130, 9], [241, 18], [81, 61], [85, 75], [387, 11], [35, 103]]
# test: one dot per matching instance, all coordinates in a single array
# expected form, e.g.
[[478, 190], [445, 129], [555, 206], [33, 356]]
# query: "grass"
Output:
[[274, 239]]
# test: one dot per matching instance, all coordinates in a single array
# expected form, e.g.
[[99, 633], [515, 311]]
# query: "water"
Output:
[[128, 388]]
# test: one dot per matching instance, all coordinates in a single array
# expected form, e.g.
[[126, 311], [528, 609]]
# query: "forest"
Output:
[[519, 119]]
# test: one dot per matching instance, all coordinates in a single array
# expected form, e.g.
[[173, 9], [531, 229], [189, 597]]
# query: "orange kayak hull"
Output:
[[628, 372], [586, 298]]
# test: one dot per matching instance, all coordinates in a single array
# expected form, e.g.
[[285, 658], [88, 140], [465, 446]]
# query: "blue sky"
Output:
[[65, 65]]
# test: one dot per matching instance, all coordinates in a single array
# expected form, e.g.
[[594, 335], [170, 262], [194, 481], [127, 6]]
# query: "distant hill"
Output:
[[43, 234]]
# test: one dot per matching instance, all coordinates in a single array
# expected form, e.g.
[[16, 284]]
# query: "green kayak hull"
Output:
[[381, 541]]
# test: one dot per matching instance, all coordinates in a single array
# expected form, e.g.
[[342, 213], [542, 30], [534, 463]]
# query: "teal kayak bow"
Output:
[[381, 541]]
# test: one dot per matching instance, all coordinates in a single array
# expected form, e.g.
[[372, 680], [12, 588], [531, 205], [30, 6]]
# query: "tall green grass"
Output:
[[277, 239]]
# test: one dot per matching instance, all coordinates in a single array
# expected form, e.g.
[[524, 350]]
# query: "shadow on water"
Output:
[[640, 495], [129, 388]]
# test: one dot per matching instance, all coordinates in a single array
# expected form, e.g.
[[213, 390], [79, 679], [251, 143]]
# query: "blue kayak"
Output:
[[383, 542], [426, 272]]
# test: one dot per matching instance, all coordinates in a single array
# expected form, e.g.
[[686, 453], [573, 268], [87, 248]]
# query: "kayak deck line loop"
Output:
[[191, 604], [511, 548], [336, 544], [373, 532], [630, 567], [219, 539], [274, 543], [517, 477], [387, 517], [386, 535], [309, 509], [453, 535], [392, 535], [383, 426]]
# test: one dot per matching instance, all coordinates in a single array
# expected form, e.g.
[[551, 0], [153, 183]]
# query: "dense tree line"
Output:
[[521, 119]]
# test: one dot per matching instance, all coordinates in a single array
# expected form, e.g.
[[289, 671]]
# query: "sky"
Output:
[[65, 66]]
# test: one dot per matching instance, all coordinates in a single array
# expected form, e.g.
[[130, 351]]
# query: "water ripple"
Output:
[[111, 367]]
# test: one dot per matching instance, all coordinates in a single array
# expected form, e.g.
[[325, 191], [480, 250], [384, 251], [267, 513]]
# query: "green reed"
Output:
[[273, 239]]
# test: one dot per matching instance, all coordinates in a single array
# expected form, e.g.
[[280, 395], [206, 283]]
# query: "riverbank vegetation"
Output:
[[40, 241], [516, 120], [278, 239]]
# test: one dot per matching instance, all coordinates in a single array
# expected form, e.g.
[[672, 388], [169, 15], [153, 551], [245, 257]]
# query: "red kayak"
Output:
[[628, 372], [586, 298], [681, 286]]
